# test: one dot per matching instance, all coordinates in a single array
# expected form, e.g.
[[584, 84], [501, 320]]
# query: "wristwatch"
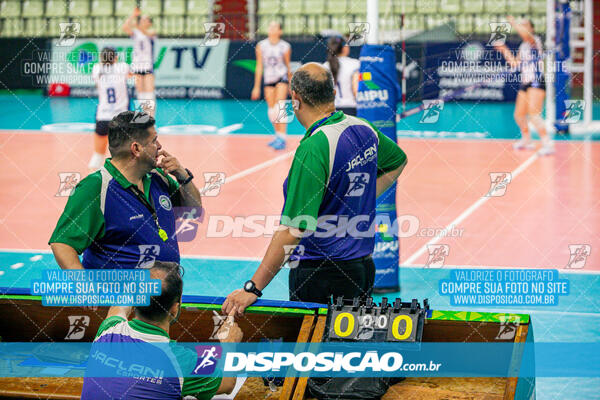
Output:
[[250, 287], [186, 180]]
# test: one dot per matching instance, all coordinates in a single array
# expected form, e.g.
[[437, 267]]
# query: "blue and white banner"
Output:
[[475, 70], [504, 287], [378, 94], [95, 287]]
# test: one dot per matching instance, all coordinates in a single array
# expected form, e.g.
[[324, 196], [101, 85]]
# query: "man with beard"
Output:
[[122, 216]]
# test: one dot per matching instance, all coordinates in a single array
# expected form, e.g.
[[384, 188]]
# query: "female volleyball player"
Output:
[[139, 28], [273, 57], [345, 74], [110, 77], [530, 97]]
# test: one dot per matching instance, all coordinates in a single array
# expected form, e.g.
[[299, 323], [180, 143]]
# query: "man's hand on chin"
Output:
[[171, 165], [238, 300]]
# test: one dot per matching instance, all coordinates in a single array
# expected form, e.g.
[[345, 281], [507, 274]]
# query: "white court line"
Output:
[[258, 167], [46, 251], [467, 212], [229, 128]]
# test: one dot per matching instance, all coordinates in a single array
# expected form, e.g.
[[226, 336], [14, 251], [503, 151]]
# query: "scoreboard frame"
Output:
[[266, 319]]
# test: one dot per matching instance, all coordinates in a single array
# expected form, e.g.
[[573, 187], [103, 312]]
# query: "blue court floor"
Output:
[[25, 110]]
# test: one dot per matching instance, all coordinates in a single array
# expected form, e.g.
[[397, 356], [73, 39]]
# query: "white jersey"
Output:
[[113, 97], [274, 68], [531, 61], [344, 96], [142, 59]]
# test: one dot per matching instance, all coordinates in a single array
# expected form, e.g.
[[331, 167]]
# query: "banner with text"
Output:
[[182, 67], [475, 71]]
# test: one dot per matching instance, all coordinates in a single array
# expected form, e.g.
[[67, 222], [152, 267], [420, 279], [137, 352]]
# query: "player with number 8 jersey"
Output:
[[110, 77]]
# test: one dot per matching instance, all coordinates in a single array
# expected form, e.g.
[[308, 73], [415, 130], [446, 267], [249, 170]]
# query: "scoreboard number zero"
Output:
[[349, 320], [400, 326], [401, 323]]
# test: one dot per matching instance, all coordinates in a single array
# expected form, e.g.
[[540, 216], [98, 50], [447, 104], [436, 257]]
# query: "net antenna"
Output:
[[588, 69], [550, 64], [581, 36], [403, 39]]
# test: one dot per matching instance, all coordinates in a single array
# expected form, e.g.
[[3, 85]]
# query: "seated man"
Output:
[[151, 325]]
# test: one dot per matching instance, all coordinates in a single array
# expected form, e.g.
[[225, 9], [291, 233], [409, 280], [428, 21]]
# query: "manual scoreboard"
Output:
[[364, 321]]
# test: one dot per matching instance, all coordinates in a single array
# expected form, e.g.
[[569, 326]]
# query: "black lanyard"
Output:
[[150, 206], [318, 124]]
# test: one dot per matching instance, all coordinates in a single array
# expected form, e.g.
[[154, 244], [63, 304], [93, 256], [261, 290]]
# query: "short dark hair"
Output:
[[313, 90], [127, 127], [108, 56], [172, 288]]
